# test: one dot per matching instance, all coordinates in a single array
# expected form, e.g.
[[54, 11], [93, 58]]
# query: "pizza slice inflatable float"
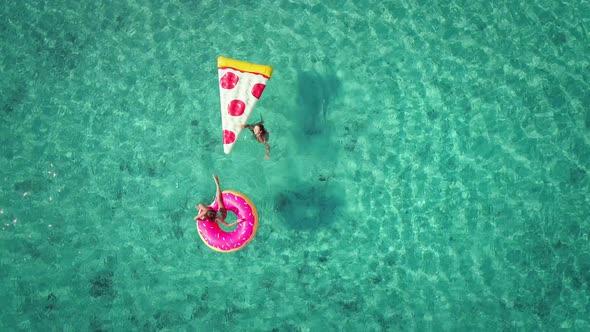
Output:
[[240, 86]]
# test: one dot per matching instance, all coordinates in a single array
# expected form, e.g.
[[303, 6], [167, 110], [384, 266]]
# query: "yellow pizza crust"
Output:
[[223, 62]]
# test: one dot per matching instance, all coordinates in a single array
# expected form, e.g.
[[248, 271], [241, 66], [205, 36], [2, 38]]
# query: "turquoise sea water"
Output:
[[429, 167]]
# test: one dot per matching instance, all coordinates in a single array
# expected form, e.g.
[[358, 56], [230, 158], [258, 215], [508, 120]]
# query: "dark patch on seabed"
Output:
[[102, 285], [200, 308], [58, 42], [13, 97], [51, 303], [165, 319], [30, 185], [149, 168], [577, 175], [97, 325], [176, 217]]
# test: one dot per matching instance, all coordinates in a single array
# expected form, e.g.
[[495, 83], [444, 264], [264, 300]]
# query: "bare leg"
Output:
[[218, 197]]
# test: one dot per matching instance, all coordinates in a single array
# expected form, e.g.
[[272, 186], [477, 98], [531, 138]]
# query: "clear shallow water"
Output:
[[429, 166]]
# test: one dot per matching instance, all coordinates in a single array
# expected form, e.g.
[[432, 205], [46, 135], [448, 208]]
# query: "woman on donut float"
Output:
[[207, 213], [208, 220]]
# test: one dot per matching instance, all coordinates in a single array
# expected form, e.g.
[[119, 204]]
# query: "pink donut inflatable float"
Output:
[[222, 241]]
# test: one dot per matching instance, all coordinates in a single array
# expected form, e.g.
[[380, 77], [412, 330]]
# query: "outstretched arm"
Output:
[[220, 220]]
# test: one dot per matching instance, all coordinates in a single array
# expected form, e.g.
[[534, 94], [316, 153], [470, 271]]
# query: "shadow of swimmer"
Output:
[[312, 202], [315, 95]]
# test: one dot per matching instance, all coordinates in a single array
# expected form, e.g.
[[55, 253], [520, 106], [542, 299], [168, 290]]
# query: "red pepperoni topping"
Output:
[[236, 107], [229, 80], [257, 90], [228, 137]]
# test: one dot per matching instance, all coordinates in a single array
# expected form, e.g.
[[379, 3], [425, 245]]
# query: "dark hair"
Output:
[[262, 129], [261, 125]]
